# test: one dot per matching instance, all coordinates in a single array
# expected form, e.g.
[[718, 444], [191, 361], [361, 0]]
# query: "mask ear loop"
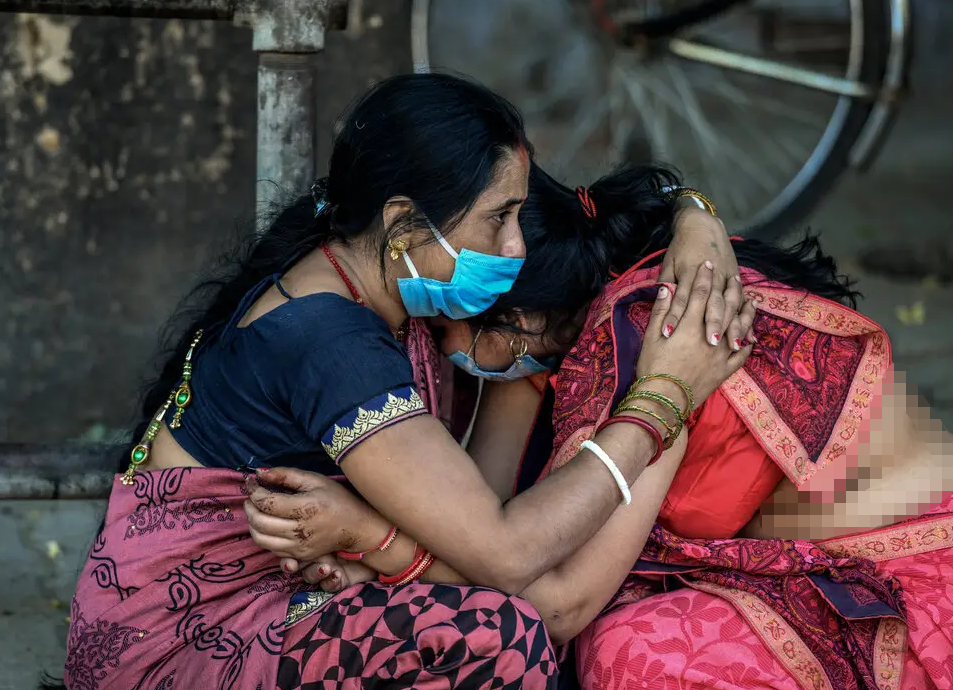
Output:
[[443, 243], [518, 356], [442, 240], [471, 353]]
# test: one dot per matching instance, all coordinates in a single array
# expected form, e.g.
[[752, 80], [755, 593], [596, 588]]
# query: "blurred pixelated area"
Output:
[[129, 155]]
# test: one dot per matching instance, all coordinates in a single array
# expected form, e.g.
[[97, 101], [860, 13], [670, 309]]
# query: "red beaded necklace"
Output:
[[401, 332], [347, 281]]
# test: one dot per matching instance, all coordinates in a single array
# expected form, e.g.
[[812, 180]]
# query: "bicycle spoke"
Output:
[[710, 55], [732, 93]]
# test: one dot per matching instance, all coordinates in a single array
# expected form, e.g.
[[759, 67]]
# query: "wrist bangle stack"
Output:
[[673, 429], [652, 431], [423, 559], [686, 389]]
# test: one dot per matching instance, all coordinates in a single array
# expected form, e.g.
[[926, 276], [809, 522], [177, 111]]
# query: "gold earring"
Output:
[[518, 356], [397, 247]]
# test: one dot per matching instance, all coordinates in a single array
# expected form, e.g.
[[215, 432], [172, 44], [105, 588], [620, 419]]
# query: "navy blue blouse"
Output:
[[299, 386]]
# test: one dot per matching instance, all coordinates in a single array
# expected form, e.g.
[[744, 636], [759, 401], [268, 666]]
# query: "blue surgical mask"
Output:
[[523, 365], [477, 282]]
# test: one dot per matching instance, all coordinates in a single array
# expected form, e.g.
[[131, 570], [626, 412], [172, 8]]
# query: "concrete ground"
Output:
[[902, 205]]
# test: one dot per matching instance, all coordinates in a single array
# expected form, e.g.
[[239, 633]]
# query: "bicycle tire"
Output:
[[794, 203], [785, 218]]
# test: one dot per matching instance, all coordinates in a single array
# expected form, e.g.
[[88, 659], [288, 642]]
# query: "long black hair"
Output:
[[433, 138], [570, 256]]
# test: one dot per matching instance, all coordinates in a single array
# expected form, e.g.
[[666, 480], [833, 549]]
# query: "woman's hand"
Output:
[[685, 354], [700, 236], [319, 518]]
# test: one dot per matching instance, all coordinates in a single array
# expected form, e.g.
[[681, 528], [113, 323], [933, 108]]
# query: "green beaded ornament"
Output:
[[180, 397]]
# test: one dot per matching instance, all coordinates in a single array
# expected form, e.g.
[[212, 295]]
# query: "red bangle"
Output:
[[412, 571], [425, 563], [359, 555], [656, 436]]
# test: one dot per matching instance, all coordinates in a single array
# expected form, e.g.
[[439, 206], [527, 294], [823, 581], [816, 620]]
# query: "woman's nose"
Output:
[[513, 244]]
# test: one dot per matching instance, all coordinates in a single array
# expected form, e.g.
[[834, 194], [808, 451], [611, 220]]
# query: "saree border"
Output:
[[788, 648], [889, 647], [897, 541], [750, 402], [303, 605]]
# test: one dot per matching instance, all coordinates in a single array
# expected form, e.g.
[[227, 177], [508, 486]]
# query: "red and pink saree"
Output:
[[867, 611]]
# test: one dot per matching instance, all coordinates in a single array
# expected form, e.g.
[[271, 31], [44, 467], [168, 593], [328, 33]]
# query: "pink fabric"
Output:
[[174, 588], [689, 639]]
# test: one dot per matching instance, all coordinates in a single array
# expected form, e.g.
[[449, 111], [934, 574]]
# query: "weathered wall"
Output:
[[127, 150]]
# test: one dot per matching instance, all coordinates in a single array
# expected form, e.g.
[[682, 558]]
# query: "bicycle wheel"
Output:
[[759, 107]]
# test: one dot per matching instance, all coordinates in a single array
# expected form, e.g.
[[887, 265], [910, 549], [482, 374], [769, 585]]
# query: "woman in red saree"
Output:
[[815, 406], [703, 608]]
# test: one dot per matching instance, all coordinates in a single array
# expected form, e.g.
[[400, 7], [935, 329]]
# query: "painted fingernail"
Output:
[[262, 470], [323, 570], [737, 344], [668, 330], [663, 292], [714, 339], [709, 265], [286, 567]]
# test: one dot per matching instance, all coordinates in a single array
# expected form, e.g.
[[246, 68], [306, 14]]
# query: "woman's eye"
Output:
[[500, 218]]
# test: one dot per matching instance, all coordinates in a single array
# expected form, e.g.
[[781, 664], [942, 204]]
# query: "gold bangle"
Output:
[[686, 389], [672, 432], [656, 397], [695, 194]]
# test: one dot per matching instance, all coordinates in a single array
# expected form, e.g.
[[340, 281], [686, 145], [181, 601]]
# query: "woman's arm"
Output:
[[571, 594], [503, 424]]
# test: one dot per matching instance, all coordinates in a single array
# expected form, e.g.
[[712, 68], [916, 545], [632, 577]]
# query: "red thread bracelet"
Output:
[[359, 555], [656, 436]]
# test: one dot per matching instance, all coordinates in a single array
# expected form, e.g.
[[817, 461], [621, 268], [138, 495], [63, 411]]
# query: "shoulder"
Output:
[[326, 317]]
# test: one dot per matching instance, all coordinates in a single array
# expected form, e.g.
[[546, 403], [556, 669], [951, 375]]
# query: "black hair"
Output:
[[433, 138], [570, 256]]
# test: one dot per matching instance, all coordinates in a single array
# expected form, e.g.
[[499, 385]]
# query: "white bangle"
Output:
[[594, 448]]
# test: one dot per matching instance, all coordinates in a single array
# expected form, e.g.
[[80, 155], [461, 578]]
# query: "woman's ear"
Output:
[[395, 214], [528, 323], [395, 209]]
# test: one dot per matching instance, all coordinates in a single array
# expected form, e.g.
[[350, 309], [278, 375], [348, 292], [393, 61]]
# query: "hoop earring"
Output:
[[518, 356], [396, 247]]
